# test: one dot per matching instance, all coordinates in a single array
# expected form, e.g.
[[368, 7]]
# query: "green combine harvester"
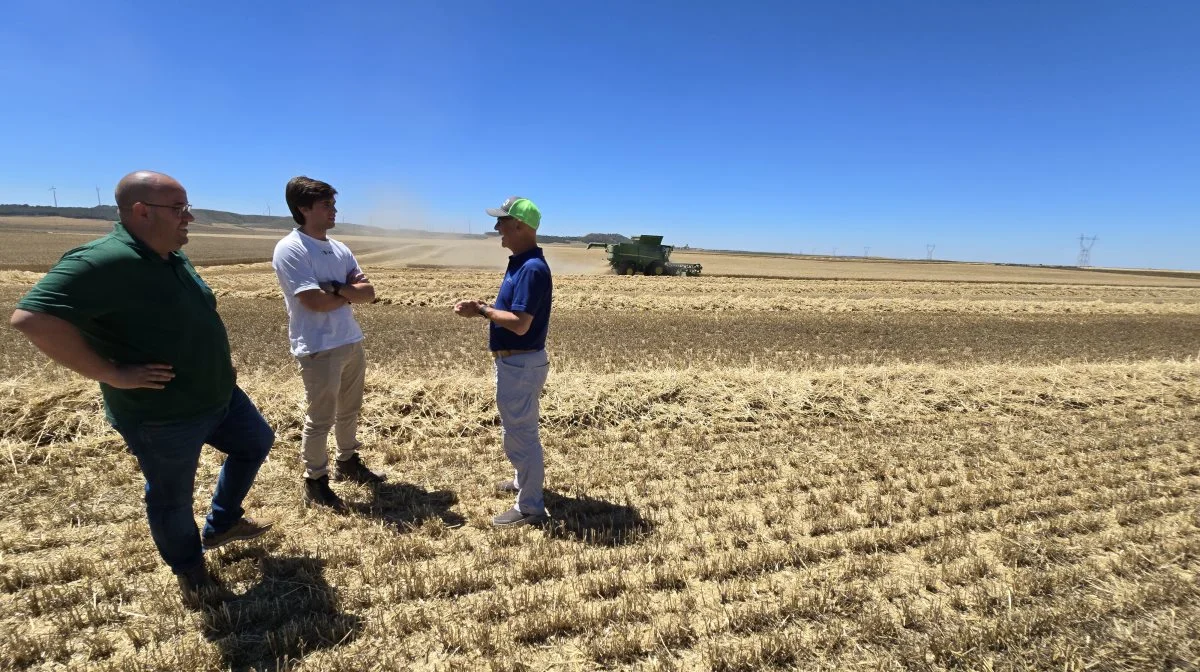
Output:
[[644, 254]]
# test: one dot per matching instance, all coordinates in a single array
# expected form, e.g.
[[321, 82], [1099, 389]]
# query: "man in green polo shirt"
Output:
[[130, 311]]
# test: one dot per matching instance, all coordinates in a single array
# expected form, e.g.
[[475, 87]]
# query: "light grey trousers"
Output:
[[519, 382]]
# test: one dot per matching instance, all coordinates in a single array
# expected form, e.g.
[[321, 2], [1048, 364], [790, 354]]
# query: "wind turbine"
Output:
[[55, 193]]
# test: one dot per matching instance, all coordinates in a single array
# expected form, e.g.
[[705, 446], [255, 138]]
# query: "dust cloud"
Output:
[[409, 251]]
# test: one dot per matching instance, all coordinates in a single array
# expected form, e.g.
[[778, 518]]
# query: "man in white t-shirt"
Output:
[[320, 278]]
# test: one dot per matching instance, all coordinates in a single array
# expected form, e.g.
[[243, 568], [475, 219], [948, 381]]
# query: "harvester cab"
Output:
[[644, 254]]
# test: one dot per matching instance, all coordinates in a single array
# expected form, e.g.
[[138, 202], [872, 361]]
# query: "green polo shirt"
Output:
[[134, 307]]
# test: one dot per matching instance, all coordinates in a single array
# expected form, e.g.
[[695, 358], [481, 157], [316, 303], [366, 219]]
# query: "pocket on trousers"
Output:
[[521, 368], [509, 374], [507, 363]]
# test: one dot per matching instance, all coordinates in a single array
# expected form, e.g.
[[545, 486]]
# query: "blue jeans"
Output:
[[519, 382], [168, 454]]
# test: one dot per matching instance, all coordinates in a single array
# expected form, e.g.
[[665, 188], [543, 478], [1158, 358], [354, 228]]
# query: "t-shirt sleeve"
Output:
[[351, 263], [294, 269], [529, 290], [74, 290]]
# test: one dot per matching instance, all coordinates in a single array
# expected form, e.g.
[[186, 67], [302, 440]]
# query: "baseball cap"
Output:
[[521, 208]]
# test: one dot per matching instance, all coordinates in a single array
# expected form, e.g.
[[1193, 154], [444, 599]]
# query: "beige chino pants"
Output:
[[333, 388]]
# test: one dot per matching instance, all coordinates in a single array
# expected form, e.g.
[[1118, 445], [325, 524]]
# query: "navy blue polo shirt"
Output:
[[527, 288]]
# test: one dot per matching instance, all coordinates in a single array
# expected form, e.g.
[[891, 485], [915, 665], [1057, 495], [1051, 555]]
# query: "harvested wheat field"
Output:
[[884, 473]]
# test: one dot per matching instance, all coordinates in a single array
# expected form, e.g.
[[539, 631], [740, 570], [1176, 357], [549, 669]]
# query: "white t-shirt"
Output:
[[301, 263]]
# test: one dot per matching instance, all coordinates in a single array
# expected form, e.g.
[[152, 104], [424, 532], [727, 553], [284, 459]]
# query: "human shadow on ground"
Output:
[[593, 521], [291, 613], [405, 506]]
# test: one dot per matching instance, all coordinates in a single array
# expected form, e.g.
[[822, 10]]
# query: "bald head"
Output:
[[142, 186], [154, 209]]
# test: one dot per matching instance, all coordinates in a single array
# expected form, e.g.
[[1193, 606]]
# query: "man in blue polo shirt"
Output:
[[518, 322]]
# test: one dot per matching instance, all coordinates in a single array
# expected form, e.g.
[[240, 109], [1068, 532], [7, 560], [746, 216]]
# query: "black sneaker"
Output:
[[316, 491], [354, 470], [199, 589], [514, 518], [243, 530]]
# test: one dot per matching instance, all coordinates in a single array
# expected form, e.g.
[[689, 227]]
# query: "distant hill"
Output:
[[108, 213]]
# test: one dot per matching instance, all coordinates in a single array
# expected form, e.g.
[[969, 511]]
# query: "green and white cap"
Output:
[[520, 208]]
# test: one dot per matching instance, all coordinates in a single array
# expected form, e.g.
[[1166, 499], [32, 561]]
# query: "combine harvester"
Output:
[[645, 254]]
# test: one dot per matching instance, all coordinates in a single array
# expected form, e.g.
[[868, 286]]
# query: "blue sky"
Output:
[[998, 131]]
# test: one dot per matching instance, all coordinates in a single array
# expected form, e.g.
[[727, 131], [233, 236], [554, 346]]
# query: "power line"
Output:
[[929, 251], [1085, 250], [866, 252]]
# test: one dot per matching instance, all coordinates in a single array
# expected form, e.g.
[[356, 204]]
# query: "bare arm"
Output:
[[361, 292], [62, 342], [320, 301], [518, 322], [358, 289]]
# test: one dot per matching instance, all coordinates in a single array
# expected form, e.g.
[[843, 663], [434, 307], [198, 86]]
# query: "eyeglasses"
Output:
[[180, 210]]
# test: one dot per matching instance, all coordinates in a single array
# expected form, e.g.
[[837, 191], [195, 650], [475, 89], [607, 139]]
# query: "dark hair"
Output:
[[302, 192]]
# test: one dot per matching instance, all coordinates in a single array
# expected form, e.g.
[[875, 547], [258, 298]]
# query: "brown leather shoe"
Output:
[[243, 530]]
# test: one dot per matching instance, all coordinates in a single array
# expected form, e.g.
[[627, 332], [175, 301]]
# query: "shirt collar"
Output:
[[535, 253], [122, 234]]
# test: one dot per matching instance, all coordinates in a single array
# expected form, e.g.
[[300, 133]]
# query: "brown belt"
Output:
[[497, 354]]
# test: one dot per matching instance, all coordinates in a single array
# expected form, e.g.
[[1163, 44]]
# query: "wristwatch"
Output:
[[483, 310], [337, 288]]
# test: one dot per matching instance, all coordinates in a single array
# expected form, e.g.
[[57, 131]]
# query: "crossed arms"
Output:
[[331, 296]]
